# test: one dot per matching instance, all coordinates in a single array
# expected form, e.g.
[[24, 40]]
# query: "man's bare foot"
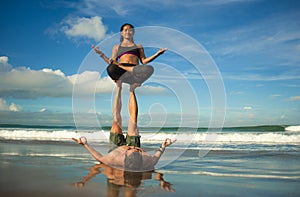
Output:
[[81, 140]]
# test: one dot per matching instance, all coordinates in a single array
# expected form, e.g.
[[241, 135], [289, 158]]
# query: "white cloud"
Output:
[[263, 77], [236, 93], [223, 2], [294, 98], [91, 28], [274, 34], [20, 82], [129, 8], [14, 107], [247, 108], [109, 8], [276, 95], [24, 83], [151, 90], [91, 111], [5, 107], [4, 66], [57, 72], [43, 110]]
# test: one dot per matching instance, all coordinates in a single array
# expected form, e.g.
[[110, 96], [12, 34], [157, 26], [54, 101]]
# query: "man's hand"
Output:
[[81, 140], [167, 142]]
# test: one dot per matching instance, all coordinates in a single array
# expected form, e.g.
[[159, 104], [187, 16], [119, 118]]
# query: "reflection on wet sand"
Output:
[[118, 179]]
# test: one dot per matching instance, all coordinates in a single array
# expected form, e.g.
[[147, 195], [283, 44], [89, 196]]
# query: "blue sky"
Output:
[[255, 45]]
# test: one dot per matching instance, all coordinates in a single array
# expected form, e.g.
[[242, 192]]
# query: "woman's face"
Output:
[[127, 32]]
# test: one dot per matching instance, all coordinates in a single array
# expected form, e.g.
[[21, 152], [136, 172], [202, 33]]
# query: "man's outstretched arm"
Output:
[[83, 141], [160, 151]]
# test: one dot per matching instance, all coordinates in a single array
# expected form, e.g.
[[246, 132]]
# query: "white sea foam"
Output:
[[234, 137], [293, 128], [243, 175], [23, 134], [56, 135], [183, 138], [62, 155]]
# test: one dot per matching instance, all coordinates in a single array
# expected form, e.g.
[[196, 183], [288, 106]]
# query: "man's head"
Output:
[[133, 160]]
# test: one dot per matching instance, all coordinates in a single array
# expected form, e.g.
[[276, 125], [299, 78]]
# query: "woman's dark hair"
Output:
[[122, 27], [125, 24]]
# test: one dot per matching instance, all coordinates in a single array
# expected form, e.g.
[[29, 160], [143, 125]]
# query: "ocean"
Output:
[[232, 161]]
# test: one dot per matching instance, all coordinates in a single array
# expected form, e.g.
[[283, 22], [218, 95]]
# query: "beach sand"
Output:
[[33, 168]]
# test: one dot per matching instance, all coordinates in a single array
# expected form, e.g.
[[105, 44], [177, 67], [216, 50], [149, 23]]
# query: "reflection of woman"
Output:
[[117, 178], [125, 59]]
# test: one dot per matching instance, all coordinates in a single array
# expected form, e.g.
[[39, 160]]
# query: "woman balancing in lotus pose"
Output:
[[127, 69]]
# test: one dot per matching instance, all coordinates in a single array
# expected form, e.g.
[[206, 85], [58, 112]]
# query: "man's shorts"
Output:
[[116, 140]]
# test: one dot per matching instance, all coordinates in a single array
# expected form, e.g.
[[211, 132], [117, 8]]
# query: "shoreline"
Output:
[[51, 169]]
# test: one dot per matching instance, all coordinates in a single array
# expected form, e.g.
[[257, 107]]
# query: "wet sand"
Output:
[[54, 169]]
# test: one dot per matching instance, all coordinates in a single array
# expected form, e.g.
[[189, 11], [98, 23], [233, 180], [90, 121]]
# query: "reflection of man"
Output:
[[125, 153], [117, 178]]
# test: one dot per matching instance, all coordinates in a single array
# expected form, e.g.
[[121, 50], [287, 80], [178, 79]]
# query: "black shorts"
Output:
[[139, 75], [116, 140]]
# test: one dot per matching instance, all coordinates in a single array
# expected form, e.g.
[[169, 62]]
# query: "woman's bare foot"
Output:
[[127, 77], [127, 68], [119, 83], [81, 140], [134, 86]]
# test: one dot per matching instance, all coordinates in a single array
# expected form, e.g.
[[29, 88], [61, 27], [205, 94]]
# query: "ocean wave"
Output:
[[23, 134], [184, 138], [260, 128], [234, 137], [240, 175], [293, 128]]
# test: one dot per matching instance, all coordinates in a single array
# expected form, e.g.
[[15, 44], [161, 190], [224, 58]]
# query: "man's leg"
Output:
[[117, 106], [133, 112], [133, 138], [116, 137]]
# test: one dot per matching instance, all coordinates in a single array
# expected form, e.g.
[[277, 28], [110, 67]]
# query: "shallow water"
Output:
[[32, 168]]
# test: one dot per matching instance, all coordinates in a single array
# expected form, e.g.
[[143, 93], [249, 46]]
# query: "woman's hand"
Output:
[[97, 50], [161, 51]]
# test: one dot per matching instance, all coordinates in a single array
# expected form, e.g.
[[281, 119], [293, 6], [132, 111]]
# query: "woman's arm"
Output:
[[112, 60], [145, 60]]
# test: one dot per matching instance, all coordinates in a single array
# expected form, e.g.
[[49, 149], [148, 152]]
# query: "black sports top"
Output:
[[128, 50]]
